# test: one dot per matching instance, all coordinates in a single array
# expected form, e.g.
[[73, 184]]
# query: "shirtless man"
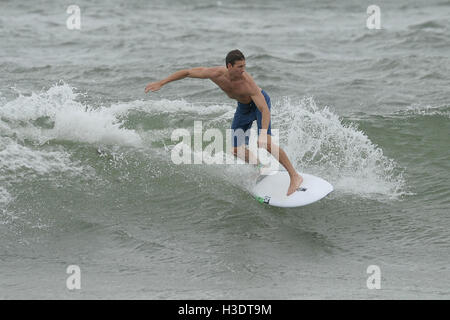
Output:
[[253, 104]]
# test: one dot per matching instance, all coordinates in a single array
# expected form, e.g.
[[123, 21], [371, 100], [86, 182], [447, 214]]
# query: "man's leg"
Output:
[[281, 156], [240, 133], [245, 154], [277, 152], [240, 139]]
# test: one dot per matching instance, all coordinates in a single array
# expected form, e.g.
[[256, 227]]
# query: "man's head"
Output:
[[235, 62]]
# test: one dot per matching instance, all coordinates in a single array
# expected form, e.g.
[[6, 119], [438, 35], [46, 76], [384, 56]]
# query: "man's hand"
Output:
[[154, 86], [263, 139]]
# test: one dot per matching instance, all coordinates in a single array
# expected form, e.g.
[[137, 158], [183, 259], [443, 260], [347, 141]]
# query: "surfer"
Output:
[[253, 104]]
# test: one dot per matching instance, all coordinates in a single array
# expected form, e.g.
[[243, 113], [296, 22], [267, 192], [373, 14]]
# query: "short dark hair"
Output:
[[233, 56]]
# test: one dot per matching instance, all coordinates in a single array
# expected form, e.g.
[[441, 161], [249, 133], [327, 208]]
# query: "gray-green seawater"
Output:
[[86, 176]]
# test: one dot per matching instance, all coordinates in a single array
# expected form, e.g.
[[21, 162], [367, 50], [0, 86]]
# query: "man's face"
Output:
[[238, 68]]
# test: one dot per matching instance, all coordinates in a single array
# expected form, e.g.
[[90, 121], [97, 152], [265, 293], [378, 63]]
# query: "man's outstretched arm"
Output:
[[200, 72]]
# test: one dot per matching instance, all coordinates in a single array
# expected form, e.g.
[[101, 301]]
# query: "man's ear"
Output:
[[229, 65]]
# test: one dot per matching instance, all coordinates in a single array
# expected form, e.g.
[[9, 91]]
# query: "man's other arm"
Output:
[[260, 101]]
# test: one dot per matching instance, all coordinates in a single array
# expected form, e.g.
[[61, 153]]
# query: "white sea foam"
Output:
[[66, 119], [18, 161], [5, 197], [319, 142], [417, 110], [63, 117]]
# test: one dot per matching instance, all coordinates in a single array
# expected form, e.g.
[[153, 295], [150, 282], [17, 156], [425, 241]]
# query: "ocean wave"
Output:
[[207, 6], [428, 25], [5, 197], [430, 34], [418, 38], [318, 141], [56, 114], [18, 162], [265, 57], [418, 110], [410, 111]]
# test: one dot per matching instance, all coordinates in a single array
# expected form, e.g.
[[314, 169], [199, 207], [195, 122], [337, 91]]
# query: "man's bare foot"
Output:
[[296, 181]]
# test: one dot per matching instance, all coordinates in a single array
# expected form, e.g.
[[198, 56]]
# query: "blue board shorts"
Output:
[[243, 119]]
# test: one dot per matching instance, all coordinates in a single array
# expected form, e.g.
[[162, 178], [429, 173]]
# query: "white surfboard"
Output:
[[271, 189]]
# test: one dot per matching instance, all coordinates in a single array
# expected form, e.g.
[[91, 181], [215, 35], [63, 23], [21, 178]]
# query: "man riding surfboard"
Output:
[[253, 104]]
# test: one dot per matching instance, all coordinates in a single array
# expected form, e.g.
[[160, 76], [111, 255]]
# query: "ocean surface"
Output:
[[86, 176]]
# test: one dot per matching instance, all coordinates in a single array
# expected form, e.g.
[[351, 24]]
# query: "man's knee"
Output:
[[239, 151], [265, 145]]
